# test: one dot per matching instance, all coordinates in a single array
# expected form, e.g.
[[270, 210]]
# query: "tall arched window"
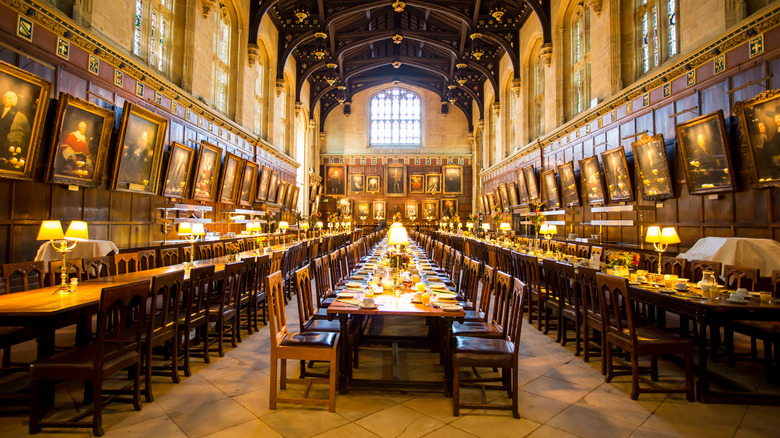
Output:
[[511, 118], [260, 71], [656, 24], [152, 32], [580, 59], [536, 120], [492, 134], [221, 60], [396, 118]]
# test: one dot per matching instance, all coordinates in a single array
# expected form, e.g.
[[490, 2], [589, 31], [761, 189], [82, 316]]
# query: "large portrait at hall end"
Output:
[[759, 127], [453, 180], [80, 143], [25, 98], [704, 147], [335, 180], [140, 151], [652, 168], [395, 180]]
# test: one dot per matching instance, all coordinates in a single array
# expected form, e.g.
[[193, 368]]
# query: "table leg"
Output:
[[447, 327], [344, 359], [703, 384]]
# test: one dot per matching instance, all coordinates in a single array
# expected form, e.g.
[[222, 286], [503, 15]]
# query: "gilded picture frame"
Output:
[[522, 188], [592, 181], [281, 193], [759, 127], [449, 206], [373, 184], [262, 186], [29, 95], [178, 171], [550, 185], [315, 205], [335, 180], [273, 187], [357, 183], [433, 183], [652, 168], [452, 180], [616, 176], [430, 209], [504, 195], [76, 157], [380, 210], [411, 210], [531, 183], [246, 194], [139, 156], [512, 189], [204, 187], [395, 180], [416, 184], [232, 172], [491, 198], [704, 146], [296, 192], [363, 210], [569, 193]]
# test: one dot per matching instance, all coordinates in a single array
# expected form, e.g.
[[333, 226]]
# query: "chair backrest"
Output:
[[649, 262], [96, 267], [218, 249], [204, 251], [263, 269], [515, 318], [583, 251], [470, 282], [550, 277], [276, 261], [23, 276], [250, 285], [305, 298], [616, 306], [597, 250], [699, 266], [125, 262], [457, 267], [73, 267], [199, 293], [737, 277], [487, 288], [571, 249], [186, 253], [169, 256], [589, 297], [147, 259], [228, 293], [277, 319], [502, 297], [673, 265], [165, 298], [530, 275], [322, 279], [121, 320]]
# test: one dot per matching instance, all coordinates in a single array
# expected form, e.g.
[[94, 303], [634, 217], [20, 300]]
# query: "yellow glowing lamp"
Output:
[[185, 229], [50, 230], [250, 227], [470, 225], [77, 230], [486, 227], [198, 229], [305, 225], [398, 236], [319, 225], [661, 239], [283, 225], [505, 226]]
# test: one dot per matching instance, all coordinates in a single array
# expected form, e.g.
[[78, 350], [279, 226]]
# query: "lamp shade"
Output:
[[485, 227], [398, 236], [305, 225], [653, 234], [544, 229], [669, 236], [50, 230], [470, 225], [250, 226], [77, 230], [505, 226], [397, 225], [319, 224], [283, 225], [198, 229]]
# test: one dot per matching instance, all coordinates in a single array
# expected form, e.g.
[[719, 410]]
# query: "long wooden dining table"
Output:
[[389, 305]]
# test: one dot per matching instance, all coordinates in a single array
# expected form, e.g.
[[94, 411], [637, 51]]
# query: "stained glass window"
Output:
[[396, 118], [580, 59], [151, 31], [221, 61], [671, 14], [259, 95], [139, 8], [657, 23], [536, 121]]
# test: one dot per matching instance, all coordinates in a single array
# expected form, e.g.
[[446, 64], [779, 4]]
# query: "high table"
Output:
[[389, 305]]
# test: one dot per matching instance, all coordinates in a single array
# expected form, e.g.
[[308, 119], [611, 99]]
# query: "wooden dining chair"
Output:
[[536, 292], [597, 250], [571, 249], [592, 319], [120, 327], [583, 251], [125, 262], [551, 302], [224, 307], [699, 266], [246, 293], [218, 249], [23, 276], [495, 326], [194, 316], [147, 259], [322, 282], [649, 262], [470, 281], [569, 309], [169, 256], [625, 332], [737, 277], [674, 265], [164, 303], [302, 346], [481, 299], [97, 267], [204, 251], [501, 353], [73, 266]]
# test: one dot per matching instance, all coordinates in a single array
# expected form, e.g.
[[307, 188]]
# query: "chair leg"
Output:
[[237, 327], [456, 391], [515, 410], [654, 368], [272, 394], [586, 342], [767, 358], [175, 359], [634, 376], [186, 352], [148, 374], [607, 362], [577, 338], [35, 407], [221, 337], [689, 386], [604, 352], [136, 370], [206, 343], [332, 385], [283, 375], [97, 412]]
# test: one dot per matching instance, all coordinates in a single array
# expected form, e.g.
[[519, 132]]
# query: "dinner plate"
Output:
[[346, 294], [354, 284], [634, 283], [374, 307], [743, 301], [450, 307]]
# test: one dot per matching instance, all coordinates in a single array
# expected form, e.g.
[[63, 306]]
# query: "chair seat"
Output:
[[652, 339], [756, 329], [10, 336], [321, 325], [474, 316], [79, 364], [473, 352], [214, 313], [476, 328], [310, 339]]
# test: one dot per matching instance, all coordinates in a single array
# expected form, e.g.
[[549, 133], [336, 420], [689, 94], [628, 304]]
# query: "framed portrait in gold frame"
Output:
[[357, 183], [704, 146], [522, 187], [551, 194], [204, 187], [273, 187], [380, 210], [80, 144], [616, 175], [504, 195], [512, 189], [373, 183], [452, 180], [246, 195], [139, 156], [759, 126], [262, 187], [449, 206], [335, 180], [177, 175], [411, 210], [592, 180], [432, 183], [28, 96], [430, 209], [232, 171], [571, 197], [395, 180], [652, 168], [529, 174], [416, 184]]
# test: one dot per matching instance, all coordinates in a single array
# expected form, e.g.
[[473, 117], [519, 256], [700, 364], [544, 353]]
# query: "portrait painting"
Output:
[[522, 188], [315, 205], [504, 195], [357, 183], [80, 143], [363, 210], [416, 184], [246, 196], [335, 180], [491, 199], [590, 172], [551, 189], [139, 158], [512, 189], [395, 180], [530, 182], [262, 188], [296, 191], [313, 190], [449, 207], [704, 147], [345, 207], [483, 204], [288, 197], [616, 175], [273, 186], [411, 210], [232, 171], [433, 183], [759, 126], [177, 175], [571, 197], [372, 184], [652, 168], [207, 174], [430, 209], [281, 193], [453, 180], [379, 210], [25, 98]]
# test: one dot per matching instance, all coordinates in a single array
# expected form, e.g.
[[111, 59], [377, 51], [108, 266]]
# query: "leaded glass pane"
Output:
[[395, 118], [139, 7]]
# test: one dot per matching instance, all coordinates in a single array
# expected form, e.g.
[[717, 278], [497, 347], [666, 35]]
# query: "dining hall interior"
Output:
[[462, 218]]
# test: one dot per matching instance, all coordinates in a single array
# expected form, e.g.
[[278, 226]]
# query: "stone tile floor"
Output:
[[560, 396]]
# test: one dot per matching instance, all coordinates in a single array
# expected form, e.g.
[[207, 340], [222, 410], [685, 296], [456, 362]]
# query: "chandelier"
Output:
[[460, 75], [319, 50], [396, 64], [301, 11], [476, 46], [398, 6], [397, 38], [341, 94], [497, 10], [330, 77], [451, 93]]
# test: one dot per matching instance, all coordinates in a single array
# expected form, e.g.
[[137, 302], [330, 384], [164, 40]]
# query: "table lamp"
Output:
[[505, 227], [192, 232], [547, 230], [661, 239], [470, 225], [51, 231]]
